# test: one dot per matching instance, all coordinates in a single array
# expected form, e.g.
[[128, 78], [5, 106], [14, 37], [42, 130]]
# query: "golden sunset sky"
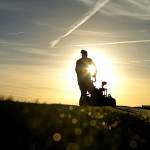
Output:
[[40, 42]]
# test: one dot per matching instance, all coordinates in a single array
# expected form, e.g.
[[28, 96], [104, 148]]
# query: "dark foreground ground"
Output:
[[65, 127]]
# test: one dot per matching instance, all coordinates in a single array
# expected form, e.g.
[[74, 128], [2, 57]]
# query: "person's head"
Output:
[[84, 53]]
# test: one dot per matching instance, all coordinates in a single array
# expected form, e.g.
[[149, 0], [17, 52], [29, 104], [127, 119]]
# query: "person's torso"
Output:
[[83, 64]]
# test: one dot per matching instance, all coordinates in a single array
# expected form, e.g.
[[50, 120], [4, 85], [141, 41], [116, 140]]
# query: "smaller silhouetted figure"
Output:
[[83, 75]]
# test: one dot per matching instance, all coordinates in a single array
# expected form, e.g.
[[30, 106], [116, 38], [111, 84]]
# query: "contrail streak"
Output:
[[85, 17], [114, 43]]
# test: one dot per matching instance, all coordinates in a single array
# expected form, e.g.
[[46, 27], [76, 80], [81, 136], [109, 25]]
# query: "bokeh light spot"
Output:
[[82, 110], [93, 123], [103, 123], [133, 144], [57, 137], [78, 131], [115, 124], [89, 113], [109, 127], [71, 108], [72, 146], [100, 116], [136, 137], [74, 121], [69, 116], [62, 115]]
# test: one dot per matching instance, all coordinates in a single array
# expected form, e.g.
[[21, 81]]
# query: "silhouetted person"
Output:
[[83, 75]]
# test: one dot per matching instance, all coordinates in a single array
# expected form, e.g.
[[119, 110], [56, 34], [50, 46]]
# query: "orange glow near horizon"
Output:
[[58, 84]]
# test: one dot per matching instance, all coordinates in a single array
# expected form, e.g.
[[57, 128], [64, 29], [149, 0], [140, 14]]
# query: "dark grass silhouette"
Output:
[[65, 127]]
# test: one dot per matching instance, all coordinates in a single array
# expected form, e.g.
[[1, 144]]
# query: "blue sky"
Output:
[[32, 68]]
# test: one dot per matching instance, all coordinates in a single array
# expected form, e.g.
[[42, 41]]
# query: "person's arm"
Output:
[[77, 69], [95, 73]]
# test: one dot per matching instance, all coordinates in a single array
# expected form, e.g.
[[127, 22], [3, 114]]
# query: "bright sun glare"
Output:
[[91, 69], [105, 69]]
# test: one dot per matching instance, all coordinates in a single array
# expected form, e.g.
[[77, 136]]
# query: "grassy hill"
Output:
[[67, 127]]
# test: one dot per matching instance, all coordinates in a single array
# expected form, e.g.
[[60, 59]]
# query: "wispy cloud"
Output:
[[136, 9], [88, 2], [40, 22], [114, 43], [13, 33], [37, 51], [96, 33], [143, 5], [26, 48], [85, 17], [138, 63], [11, 43], [135, 61]]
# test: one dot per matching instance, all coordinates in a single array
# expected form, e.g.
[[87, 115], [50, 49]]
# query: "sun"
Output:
[[105, 69], [91, 69]]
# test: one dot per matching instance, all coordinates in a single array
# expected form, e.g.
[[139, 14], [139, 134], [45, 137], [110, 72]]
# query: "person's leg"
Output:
[[83, 88]]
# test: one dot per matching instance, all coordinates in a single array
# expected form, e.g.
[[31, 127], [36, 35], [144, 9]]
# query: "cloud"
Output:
[[144, 4], [40, 51], [12, 43], [21, 47], [11, 34], [114, 43], [88, 2], [85, 17], [98, 33], [35, 51], [53, 43], [40, 22], [16, 33], [134, 63], [140, 61], [136, 9]]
